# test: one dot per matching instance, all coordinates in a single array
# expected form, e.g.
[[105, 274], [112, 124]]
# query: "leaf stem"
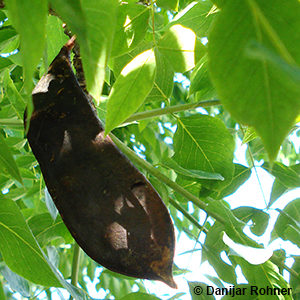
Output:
[[2, 294], [153, 171], [75, 266], [169, 110], [187, 215]]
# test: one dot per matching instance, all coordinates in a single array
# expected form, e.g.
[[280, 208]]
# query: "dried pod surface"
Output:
[[110, 208]]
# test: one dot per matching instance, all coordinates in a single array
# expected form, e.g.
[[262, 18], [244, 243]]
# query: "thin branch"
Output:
[[75, 265], [153, 171], [2, 294], [169, 110], [187, 215]]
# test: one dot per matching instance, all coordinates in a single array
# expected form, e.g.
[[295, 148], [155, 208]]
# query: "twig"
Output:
[[171, 109], [187, 215], [75, 265], [2, 294]]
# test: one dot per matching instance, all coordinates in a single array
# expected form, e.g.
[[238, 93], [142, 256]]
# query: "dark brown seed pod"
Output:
[[110, 208]]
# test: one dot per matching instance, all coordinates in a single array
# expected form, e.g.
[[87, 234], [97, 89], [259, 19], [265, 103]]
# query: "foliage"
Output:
[[243, 85]]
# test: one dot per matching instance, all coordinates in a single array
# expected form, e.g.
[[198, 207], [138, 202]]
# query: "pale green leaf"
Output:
[[132, 25], [249, 135], [8, 160], [178, 46], [9, 40], [198, 16], [254, 90], [19, 249], [13, 95], [16, 282], [288, 176], [253, 255], [130, 89], [241, 174], [200, 81], [225, 272], [138, 295], [170, 163], [287, 225], [168, 4], [56, 38], [163, 83], [93, 22], [29, 18], [100, 18], [262, 278], [200, 291], [203, 143], [259, 218]]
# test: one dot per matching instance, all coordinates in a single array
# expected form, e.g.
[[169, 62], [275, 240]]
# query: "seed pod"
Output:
[[110, 208]]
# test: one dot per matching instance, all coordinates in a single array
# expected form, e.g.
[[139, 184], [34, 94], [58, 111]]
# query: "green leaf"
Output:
[[288, 176], [130, 89], [56, 37], [19, 249], [233, 226], [117, 284], [138, 295], [203, 143], [9, 40], [100, 17], [170, 163], [200, 81], [93, 22], [253, 255], [294, 281], [5, 63], [46, 230], [168, 4], [178, 45], [8, 161], [199, 290], [287, 225], [224, 271], [132, 25], [13, 95], [198, 16], [50, 205], [163, 83], [254, 90], [263, 277], [29, 18], [241, 174], [259, 218], [16, 282], [286, 179], [249, 136]]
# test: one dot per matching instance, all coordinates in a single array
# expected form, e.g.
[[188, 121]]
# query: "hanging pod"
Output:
[[110, 208]]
